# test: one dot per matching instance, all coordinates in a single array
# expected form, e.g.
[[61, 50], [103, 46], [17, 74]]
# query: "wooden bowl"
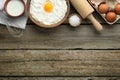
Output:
[[43, 25], [5, 8]]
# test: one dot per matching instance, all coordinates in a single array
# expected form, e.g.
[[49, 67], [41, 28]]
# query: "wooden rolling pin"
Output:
[[85, 10]]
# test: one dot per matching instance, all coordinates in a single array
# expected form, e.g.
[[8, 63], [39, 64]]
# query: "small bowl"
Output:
[[5, 8], [43, 25]]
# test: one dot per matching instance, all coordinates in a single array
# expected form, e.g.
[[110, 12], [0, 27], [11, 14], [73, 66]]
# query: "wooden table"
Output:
[[62, 53]]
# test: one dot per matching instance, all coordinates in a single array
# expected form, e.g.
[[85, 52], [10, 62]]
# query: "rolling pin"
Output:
[[85, 10]]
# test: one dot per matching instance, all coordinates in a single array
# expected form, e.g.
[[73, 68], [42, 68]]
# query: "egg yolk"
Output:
[[48, 7]]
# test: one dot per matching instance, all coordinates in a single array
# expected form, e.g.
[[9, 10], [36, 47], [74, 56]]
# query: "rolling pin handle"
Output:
[[96, 24]]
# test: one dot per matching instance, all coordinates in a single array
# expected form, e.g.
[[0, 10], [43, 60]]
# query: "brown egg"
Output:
[[103, 8], [111, 16], [117, 8]]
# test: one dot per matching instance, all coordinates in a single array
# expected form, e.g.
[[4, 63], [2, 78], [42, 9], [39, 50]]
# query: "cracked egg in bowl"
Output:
[[48, 13]]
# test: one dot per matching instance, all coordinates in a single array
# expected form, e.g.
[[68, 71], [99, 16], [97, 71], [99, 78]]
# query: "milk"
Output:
[[15, 7]]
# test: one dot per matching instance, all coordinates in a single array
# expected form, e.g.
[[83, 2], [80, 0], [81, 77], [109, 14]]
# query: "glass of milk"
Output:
[[14, 8]]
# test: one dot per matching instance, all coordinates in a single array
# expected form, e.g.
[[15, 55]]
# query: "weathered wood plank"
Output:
[[63, 37], [60, 63], [59, 78], [59, 55]]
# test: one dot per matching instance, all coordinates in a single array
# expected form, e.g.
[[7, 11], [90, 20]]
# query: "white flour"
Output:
[[58, 13]]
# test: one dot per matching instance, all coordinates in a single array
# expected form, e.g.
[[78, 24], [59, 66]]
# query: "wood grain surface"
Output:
[[62, 53], [63, 37], [59, 78], [60, 63]]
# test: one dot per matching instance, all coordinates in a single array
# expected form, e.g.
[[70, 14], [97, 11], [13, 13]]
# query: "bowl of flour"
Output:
[[48, 13]]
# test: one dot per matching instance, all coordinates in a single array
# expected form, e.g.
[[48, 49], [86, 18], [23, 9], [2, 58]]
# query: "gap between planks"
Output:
[[59, 78]]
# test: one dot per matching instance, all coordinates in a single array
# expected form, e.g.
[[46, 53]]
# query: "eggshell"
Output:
[[75, 20], [113, 13], [117, 8], [111, 16], [103, 8]]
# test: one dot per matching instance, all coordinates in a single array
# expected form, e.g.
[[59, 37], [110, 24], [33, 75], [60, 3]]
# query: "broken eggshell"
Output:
[[112, 8]]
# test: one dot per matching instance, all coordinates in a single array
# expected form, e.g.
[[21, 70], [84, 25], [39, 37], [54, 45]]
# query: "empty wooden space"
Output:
[[62, 53]]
